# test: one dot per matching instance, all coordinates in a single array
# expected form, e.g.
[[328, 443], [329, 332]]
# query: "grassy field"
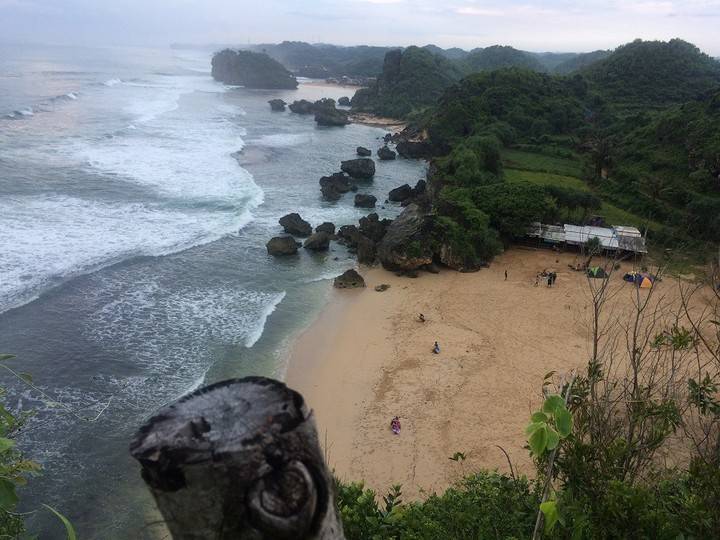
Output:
[[550, 171], [528, 161]]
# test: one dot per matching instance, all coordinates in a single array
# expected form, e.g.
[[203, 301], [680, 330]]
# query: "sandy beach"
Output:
[[367, 358]]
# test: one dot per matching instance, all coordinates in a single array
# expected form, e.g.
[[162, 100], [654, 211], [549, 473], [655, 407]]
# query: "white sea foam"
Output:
[[76, 235], [112, 82], [282, 140]]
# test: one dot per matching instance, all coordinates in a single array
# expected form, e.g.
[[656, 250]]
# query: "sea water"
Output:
[[136, 198]]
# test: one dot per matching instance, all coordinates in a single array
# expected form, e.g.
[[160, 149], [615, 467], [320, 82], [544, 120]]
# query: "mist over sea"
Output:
[[136, 197]]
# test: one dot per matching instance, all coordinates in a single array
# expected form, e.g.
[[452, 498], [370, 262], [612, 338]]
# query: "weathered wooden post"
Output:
[[239, 459]]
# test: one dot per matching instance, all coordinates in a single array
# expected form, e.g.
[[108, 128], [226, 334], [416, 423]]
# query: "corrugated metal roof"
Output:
[[550, 233], [575, 234], [622, 230]]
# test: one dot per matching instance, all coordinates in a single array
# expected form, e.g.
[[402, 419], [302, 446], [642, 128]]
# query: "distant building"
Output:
[[616, 238]]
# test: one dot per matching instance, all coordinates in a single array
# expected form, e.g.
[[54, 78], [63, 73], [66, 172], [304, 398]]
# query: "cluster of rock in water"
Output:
[[405, 245]]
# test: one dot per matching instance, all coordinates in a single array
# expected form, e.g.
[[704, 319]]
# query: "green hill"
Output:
[[653, 74], [579, 61], [499, 56], [251, 70], [411, 79]]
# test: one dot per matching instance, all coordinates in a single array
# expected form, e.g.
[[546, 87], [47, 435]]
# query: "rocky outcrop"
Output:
[[349, 280], [319, 241], [366, 251], [385, 154], [399, 194], [295, 225], [364, 200], [302, 106], [364, 152], [251, 70], [348, 235], [282, 245], [331, 117], [359, 168], [414, 149], [407, 242], [344, 101], [373, 227], [277, 104], [326, 227], [334, 186]]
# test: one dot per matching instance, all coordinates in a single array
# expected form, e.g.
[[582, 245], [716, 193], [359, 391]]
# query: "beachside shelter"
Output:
[[578, 235], [596, 272]]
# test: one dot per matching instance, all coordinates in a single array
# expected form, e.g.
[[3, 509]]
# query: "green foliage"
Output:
[[481, 506], [498, 57], [653, 73], [250, 69], [548, 426], [411, 79]]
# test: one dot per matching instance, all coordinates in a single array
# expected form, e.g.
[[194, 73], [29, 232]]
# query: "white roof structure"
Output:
[[615, 238], [579, 235]]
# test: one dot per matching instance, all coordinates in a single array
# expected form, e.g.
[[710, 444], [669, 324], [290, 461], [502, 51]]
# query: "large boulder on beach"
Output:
[[373, 227], [302, 106], [295, 225], [277, 104], [326, 227], [334, 186], [407, 242], [385, 154], [359, 168], [399, 194], [319, 241], [364, 152], [349, 280], [282, 245], [331, 117], [344, 101], [364, 200]]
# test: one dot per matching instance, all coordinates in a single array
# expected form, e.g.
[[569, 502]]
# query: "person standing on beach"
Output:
[[505, 275]]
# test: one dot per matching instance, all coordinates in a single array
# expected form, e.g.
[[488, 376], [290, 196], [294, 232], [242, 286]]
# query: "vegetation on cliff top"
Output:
[[251, 70]]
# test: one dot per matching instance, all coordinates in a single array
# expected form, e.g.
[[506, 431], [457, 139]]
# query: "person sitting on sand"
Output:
[[395, 425], [436, 348], [421, 318]]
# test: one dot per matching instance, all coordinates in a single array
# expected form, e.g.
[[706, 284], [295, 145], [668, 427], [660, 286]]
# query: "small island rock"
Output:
[[401, 193], [277, 104], [326, 227], [385, 154], [335, 185], [282, 245], [359, 168], [302, 106], [364, 152], [295, 225], [363, 200], [344, 101], [319, 241]]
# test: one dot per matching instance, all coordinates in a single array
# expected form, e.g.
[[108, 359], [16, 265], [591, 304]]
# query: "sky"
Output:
[[552, 25]]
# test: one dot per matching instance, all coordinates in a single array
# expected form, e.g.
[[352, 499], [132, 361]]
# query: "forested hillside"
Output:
[[497, 57]]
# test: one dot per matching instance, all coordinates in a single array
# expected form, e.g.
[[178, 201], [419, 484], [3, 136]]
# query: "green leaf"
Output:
[[6, 357], [8, 497], [564, 422], [538, 417], [550, 511], [26, 377], [69, 529], [6, 444], [553, 439], [534, 426], [552, 403], [538, 440], [548, 375]]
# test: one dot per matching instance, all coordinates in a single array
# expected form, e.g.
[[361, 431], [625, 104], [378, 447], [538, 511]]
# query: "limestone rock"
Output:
[[359, 168], [364, 152], [319, 241], [385, 154], [282, 245], [363, 200], [349, 280], [295, 225], [277, 104], [407, 242]]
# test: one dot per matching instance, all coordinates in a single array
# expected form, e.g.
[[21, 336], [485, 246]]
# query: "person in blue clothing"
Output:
[[436, 348]]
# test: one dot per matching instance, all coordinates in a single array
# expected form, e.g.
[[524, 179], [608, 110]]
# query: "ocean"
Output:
[[136, 198]]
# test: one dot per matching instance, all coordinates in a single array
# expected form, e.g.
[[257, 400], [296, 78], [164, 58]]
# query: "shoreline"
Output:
[[366, 358]]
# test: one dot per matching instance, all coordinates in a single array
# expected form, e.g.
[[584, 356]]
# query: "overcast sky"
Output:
[[552, 25]]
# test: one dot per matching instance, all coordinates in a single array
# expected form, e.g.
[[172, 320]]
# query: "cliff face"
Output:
[[251, 70]]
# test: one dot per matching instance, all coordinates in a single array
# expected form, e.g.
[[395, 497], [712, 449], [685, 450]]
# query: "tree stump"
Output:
[[239, 459]]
